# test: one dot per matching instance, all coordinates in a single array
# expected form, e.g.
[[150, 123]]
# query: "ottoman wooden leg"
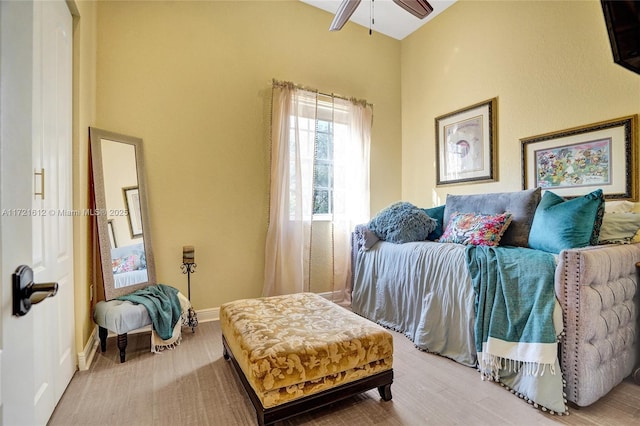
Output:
[[122, 345], [225, 353], [102, 333], [385, 392]]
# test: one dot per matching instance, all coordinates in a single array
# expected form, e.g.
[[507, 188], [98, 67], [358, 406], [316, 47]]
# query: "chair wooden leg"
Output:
[[122, 345], [102, 333]]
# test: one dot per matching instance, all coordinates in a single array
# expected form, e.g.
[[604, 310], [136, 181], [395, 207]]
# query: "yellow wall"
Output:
[[548, 63], [192, 79]]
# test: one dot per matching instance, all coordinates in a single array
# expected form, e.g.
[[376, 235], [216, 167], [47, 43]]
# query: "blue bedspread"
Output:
[[424, 290]]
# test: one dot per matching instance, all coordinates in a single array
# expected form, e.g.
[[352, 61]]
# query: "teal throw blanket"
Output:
[[515, 300], [163, 306]]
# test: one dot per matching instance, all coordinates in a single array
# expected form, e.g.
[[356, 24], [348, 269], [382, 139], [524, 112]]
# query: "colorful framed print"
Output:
[[575, 161], [466, 144]]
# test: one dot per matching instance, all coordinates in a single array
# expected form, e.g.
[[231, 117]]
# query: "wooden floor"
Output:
[[194, 385]]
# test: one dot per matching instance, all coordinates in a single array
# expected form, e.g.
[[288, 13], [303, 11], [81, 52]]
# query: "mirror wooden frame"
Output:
[[96, 137]]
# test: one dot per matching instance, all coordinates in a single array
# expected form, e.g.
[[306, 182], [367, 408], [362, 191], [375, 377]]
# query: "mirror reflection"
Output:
[[128, 260], [125, 245]]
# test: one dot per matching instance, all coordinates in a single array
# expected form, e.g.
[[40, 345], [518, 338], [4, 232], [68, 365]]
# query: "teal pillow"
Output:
[[436, 213], [560, 224]]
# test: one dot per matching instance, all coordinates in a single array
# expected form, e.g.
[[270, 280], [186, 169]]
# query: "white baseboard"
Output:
[[206, 315], [86, 356]]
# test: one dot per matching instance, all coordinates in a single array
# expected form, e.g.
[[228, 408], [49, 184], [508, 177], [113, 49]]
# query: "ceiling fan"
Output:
[[418, 8]]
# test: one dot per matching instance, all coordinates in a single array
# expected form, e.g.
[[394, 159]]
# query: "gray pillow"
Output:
[[366, 238], [521, 204]]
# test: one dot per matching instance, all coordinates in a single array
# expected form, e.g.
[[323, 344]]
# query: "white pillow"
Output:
[[619, 227], [618, 206]]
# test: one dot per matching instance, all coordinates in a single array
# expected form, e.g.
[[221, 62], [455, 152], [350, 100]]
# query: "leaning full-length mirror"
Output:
[[126, 255]]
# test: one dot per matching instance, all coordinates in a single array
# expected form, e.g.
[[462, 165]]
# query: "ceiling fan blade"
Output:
[[344, 12], [418, 8]]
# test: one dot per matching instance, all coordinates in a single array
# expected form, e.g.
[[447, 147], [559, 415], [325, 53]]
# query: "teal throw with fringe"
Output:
[[515, 300], [163, 306]]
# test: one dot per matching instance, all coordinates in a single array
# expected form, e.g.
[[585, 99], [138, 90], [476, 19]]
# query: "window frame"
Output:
[[324, 110]]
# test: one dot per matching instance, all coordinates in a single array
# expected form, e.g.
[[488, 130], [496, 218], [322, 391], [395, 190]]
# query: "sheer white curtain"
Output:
[[351, 189], [293, 135], [287, 247]]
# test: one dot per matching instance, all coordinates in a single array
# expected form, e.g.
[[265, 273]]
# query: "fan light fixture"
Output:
[[418, 8], [344, 12]]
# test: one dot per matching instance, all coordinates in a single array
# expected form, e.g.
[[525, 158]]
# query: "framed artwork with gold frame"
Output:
[[579, 160]]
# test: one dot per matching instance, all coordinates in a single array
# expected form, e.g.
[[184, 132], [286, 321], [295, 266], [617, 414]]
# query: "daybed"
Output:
[[129, 265], [429, 291]]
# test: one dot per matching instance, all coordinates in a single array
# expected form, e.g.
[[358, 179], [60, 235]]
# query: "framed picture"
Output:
[[466, 144], [112, 234], [132, 201], [576, 161]]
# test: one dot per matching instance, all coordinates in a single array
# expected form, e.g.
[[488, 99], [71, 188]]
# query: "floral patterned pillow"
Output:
[[126, 264], [476, 229]]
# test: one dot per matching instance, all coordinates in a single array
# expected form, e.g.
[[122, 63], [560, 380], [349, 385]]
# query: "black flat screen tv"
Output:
[[623, 24]]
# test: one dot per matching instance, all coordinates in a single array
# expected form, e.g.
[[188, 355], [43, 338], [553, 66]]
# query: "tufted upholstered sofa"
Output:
[[597, 290]]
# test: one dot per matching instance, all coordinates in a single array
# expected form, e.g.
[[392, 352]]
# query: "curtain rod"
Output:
[[310, 89]]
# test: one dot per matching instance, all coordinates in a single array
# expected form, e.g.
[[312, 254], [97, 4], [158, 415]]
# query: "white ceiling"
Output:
[[390, 19]]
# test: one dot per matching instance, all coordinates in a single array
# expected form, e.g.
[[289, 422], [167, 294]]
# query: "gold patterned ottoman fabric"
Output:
[[300, 344]]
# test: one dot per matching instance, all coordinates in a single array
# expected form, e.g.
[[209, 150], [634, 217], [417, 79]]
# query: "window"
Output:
[[323, 171], [319, 170], [317, 135]]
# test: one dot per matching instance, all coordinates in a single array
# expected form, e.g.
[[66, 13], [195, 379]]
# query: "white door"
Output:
[[38, 351]]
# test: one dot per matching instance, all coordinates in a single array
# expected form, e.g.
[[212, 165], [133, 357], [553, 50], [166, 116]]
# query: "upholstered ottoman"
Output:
[[298, 352], [120, 317]]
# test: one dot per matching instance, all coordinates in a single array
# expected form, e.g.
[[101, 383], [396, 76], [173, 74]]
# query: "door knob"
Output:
[[27, 293]]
